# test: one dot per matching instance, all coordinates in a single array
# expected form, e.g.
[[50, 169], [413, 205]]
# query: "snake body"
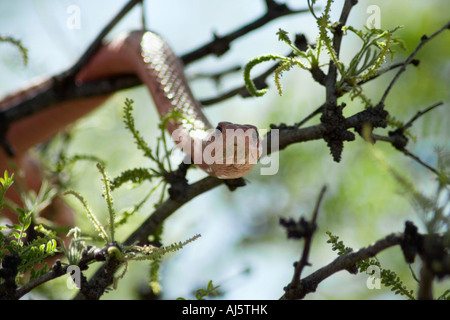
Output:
[[226, 151]]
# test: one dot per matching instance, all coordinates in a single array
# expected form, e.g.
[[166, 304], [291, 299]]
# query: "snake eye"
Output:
[[219, 128]]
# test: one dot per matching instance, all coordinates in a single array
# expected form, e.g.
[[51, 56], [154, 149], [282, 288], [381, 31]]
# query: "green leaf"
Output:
[[17, 227], [16, 235], [109, 200], [50, 246], [283, 36], [250, 65], [97, 225]]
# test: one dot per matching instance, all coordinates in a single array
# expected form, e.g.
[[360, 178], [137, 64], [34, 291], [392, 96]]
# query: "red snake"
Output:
[[228, 151]]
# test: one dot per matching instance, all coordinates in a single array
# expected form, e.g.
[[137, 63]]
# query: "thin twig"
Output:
[[421, 113], [53, 274], [399, 140], [58, 270], [318, 202], [337, 39], [310, 116], [424, 40], [219, 45], [342, 92], [308, 240], [382, 71], [216, 75], [330, 82], [56, 89], [259, 81], [393, 140], [418, 160], [97, 43]]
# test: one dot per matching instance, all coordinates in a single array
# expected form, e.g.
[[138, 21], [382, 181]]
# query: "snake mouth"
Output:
[[231, 146]]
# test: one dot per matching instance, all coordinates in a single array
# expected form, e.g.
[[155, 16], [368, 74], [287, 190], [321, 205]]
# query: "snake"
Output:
[[226, 151]]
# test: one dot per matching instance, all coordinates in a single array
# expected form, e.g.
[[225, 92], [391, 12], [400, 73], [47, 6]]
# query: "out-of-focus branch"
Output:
[[424, 40], [220, 45], [306, 230], [310, 283]]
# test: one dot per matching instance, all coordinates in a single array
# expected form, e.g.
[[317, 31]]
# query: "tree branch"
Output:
[[58, 270], [331, 96], [423, 41], [103, 278], [259, 81], [220, 45], [425, 291], [97, 43], [310, 283], [376, 117], [307, 230]]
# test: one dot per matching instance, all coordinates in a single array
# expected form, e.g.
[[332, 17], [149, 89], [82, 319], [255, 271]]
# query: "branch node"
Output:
[[399, 140], [353, 269], [415, 62], [336, 131], [410, 242], [220, 45], [299, 229]]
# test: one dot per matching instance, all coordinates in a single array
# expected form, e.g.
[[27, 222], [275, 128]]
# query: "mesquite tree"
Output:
[[351, 150]]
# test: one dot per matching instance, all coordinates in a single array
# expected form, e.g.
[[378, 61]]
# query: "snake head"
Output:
[[232, 150]]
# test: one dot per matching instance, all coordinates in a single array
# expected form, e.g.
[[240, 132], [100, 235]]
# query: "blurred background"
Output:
[[242, 248]]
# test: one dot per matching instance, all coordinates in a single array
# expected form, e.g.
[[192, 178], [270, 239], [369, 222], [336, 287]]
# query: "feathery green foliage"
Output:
[[129, 124], [76, 246], [210, 291], [14, 238], [115, 249], [388, 278], [149, 252], [64, 161], [109, 200], [5, 183], [94, 220], [376, 45], [161, 159], [136, 175]]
